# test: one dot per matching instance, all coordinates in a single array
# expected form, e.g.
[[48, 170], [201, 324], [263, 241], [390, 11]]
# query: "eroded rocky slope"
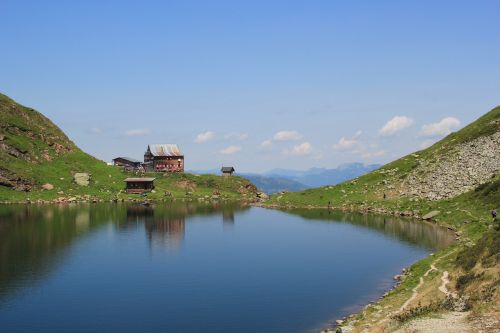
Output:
[[457, 171]]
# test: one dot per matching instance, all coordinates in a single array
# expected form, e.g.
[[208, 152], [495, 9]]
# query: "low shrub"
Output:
[[466, 279]]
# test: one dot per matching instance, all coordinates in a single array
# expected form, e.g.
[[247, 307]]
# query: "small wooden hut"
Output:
[[227, 171], [139, 185]]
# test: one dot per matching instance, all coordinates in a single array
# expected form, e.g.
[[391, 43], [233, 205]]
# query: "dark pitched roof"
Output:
[[227, 169], [132, 160], [139, 179]]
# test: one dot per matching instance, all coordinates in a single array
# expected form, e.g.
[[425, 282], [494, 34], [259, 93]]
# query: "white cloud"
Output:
[[230, 150], [266, 144], [395, 125], [236, 136], [138, 132], [441, 128], [287, 136], [346, 143], [302, 149], [204, 137]]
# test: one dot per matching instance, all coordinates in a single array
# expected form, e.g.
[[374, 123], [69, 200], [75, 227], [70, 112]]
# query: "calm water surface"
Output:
[[196, 268]]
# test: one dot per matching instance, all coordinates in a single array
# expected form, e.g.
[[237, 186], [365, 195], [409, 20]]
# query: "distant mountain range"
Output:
[[316, 177], [274, 184], [277, 180]]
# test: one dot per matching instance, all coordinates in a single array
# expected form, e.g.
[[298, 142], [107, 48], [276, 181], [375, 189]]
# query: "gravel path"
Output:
[[450, 322]]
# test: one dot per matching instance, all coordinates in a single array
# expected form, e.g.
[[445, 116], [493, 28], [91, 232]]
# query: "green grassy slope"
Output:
[[34, 151]]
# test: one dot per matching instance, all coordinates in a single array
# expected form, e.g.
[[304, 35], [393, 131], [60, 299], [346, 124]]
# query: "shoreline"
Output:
[[347, 323], [76, 199]]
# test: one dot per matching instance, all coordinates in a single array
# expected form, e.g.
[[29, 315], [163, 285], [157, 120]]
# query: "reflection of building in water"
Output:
[[165, 223], [228, 216], [163, 228], [166, 231], [139, 214]]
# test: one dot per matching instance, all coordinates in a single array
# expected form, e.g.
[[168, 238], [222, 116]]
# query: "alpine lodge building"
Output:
[[163, 158]]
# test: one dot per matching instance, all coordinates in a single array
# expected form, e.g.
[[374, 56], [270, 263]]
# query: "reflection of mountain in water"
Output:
[[415, 232], [35, 239]]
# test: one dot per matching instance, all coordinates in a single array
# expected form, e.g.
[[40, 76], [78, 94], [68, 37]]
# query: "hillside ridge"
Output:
[[453, 166], [38, 162], [27, 137]]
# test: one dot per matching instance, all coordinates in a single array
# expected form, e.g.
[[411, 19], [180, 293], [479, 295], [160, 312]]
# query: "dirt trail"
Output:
[[415, 294], [442, 288], [418, 286], [449, 322]]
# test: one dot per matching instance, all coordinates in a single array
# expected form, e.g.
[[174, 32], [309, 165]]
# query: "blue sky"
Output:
[[254, 84]]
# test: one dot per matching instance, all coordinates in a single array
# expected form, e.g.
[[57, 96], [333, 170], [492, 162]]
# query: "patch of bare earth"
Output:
[[185, 184], [450, 322]]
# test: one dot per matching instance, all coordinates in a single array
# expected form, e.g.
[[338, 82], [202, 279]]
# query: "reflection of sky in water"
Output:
[[186, 267]]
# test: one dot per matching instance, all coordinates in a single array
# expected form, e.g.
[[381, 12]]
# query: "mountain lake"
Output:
[[184, 267]]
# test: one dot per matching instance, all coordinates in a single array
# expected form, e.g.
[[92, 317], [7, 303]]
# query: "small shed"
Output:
[[139, 185], [227, 171]]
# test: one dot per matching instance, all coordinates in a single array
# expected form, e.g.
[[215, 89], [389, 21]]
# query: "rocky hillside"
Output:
[[459, 170], [26, 138], [455, 165]]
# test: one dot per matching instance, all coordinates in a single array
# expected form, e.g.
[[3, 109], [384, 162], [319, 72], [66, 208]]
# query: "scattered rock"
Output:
[[398, 277], [461, 169], [47, 186], [262, 195], [430, 215], [459, 304]]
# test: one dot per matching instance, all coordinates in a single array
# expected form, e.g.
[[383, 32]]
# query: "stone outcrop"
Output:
[[11, 180], [457, 171], [82, 178]]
